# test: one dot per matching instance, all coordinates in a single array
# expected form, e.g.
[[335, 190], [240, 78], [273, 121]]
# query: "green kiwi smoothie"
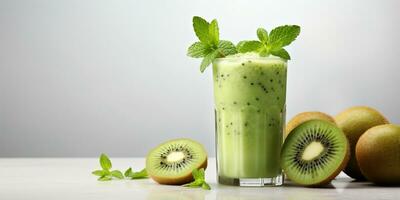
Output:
[[250, 93]]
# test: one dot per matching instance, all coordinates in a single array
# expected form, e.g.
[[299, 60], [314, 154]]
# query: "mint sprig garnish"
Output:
[[106, 174], [136, 175], [209, 46], [199, 180], [271, 43]]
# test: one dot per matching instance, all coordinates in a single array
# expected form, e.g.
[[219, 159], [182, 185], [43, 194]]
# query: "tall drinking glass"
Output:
[[250, 93]]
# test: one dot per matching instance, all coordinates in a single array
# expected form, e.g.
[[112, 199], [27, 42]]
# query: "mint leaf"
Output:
[[214, 32], [264, 52], [201, 27], [208, 60], [226, 48], [200, 174], [99, 172], [105, 178], [136, 175], [199, 180], [206, 186], [105, 162], [281, 53], [196, 183], [248, 46], [117, 174], [273, 43], [198, 50], [197, 174], [210, 46], [262, 35], [140, 174], [105, 174], [128, 172], [283, 35]]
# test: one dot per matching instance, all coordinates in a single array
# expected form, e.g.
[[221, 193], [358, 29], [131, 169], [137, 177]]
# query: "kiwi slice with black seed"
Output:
[[173, 161], [314, 153]]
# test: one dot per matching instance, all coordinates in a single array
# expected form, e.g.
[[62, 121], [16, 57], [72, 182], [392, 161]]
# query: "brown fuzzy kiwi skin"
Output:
[[354, 121], [378, 154], [304, 117], [178, 180]]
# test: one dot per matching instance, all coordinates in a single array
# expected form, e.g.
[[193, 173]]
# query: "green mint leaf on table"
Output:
[[105, 178], [100, 172], [206, 186], [117, 174], [199, 180], [198, 174], [136, 175], [105, 173], [194, 184], [209, 46], [271, 43], [105, 162], [128, 172]]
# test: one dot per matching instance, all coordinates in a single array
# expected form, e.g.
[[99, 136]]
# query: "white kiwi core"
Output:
[[312, 151], [175, 156]]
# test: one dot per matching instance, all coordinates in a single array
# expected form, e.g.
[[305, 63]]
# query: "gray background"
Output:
[[82, 77]]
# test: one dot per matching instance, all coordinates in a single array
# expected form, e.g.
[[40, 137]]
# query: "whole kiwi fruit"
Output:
[[172, 162], [354, 121], [314, 153], [378, 154], [306, 116]]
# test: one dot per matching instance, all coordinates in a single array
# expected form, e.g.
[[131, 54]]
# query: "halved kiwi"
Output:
[[173, 162], [314, 153]]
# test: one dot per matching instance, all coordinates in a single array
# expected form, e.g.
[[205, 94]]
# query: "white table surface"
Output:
[[71, 178]]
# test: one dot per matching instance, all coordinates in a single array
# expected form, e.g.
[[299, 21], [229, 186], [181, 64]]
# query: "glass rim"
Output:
[[249, 58]]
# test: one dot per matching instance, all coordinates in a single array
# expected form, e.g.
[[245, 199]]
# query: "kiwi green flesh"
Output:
[[175, 159], [323, 165]]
